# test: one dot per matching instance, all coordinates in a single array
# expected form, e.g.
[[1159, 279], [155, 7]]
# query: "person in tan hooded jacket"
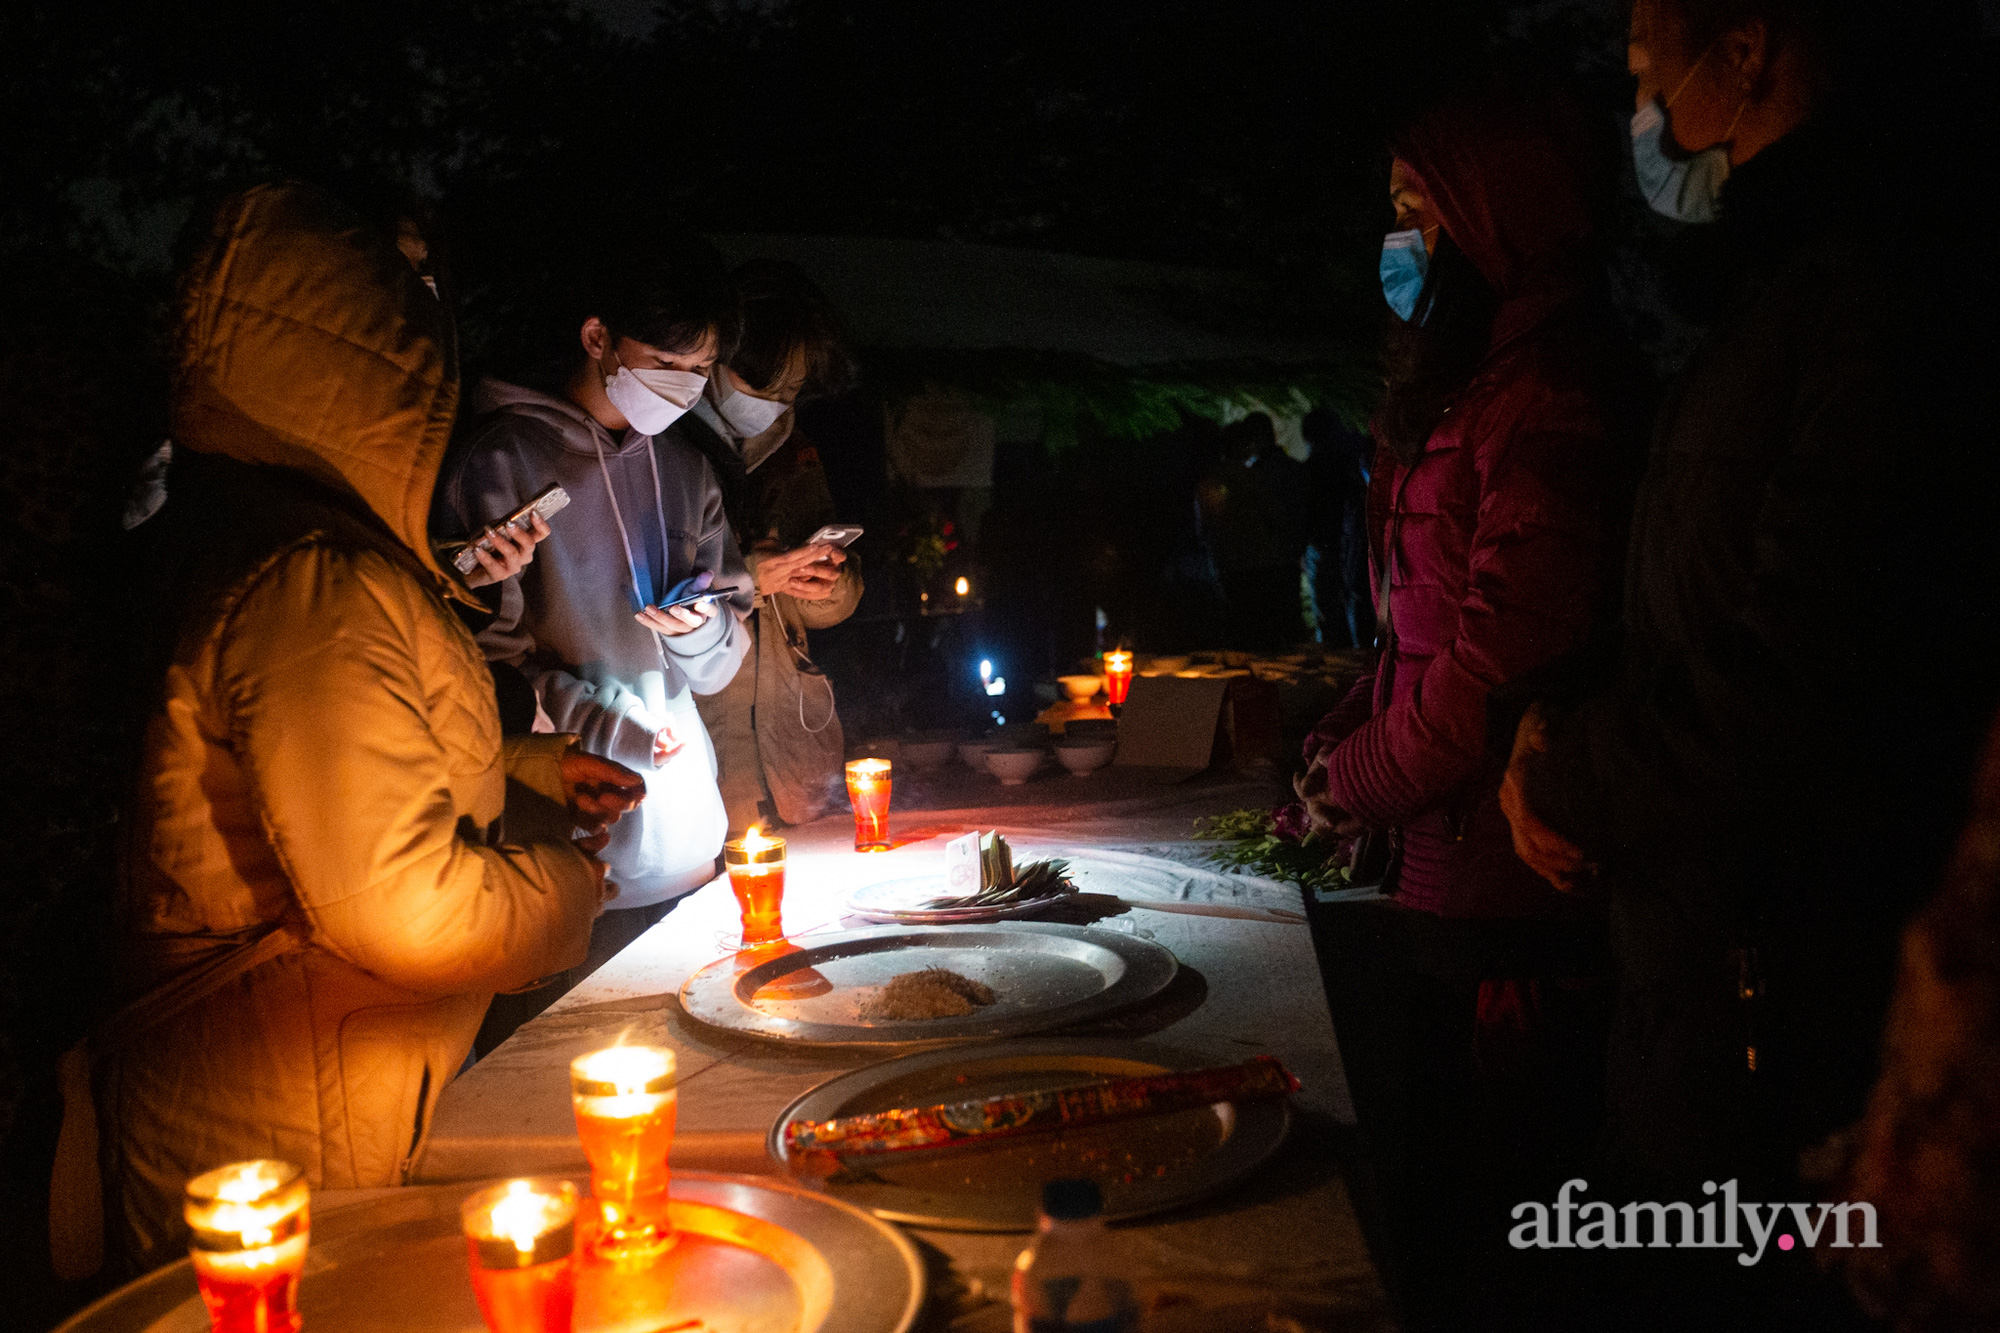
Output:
[[320, 893]]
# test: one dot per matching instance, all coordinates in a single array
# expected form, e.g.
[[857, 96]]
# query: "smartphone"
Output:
[[548, 502], [691, 591], [835, 534]]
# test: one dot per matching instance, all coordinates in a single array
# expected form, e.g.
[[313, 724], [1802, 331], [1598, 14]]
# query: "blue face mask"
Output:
[[1405, 262], [1688, 189]]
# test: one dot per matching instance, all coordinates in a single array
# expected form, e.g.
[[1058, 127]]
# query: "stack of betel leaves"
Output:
[[980, 868]]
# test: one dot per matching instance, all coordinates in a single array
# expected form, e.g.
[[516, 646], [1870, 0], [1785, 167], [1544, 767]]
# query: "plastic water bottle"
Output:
[[1071, 1279]]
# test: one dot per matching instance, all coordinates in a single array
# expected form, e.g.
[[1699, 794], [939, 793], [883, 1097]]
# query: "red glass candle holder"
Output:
[[249, 1225], [626, 1104], [1117, 675], [868, 792], [757, 877], [520, 1240]]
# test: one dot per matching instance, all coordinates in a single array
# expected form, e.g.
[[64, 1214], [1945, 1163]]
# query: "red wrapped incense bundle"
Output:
[[905, 1129]]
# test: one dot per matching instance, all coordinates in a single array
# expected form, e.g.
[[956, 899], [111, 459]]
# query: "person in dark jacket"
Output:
[[1496, 510], [1336, 486], [1250, 503], [1771, 778], [778, 741]]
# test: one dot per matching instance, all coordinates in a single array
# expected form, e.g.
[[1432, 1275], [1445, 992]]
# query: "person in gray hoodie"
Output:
[[645, 523]]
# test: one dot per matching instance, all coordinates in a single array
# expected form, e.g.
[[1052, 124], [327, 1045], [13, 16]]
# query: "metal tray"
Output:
[[755, 1256], [1144, 1165], [1045, 976], [892, 903]]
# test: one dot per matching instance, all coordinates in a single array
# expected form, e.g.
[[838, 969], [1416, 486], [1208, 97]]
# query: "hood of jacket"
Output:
[[308, 342], [572, 428], [752, 450], [1512, 177]]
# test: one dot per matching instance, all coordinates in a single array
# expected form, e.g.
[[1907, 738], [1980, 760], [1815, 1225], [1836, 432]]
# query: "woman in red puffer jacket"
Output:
[[1496, 515]]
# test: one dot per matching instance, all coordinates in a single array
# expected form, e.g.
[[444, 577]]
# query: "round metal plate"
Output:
[[1044, 976], [1144, 1165], [893, 902], [756, 1256]]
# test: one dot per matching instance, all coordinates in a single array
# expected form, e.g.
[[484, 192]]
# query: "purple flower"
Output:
[[1290, 822]]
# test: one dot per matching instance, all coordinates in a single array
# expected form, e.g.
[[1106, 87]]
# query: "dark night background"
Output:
[[1245, 137]]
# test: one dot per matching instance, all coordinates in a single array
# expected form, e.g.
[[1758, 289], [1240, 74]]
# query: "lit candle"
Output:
[[963, 587], [519, 1239], [868, 791], [757, 876], [1117, 675], [250, 1223], [625, 1106]]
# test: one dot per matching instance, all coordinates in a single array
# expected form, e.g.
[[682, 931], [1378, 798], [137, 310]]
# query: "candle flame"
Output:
[[754, 840], [250, 1200], [963, 587], [249, 1184], [522, 1215], [1118, 661], [627, 1068]]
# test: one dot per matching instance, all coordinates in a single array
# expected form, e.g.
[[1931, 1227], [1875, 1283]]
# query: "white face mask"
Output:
[[652, 400], [747, 414]]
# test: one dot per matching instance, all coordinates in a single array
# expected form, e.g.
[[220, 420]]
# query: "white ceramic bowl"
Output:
[[973, 754], [1081, 688], [1013, 766], [1085, 757], [926, 755]]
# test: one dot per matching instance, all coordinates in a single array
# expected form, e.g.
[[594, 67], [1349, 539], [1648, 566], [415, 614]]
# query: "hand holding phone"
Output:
[[544, 505], [808, 572], [687, 606]]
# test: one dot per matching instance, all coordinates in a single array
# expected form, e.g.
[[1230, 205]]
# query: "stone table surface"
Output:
[[1286, 1238]]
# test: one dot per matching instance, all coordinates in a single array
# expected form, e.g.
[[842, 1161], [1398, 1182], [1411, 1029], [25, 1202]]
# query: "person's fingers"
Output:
[[523, 553], [665, 745], [689, 617], [612, 804], [608, 801], [666, 622], [589, 767], [1546, 852], [782, 564], [1311, 784], [538, 529], [1554, 860]]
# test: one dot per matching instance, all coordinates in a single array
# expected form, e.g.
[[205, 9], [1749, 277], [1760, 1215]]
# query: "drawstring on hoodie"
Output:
[[660, 513]]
